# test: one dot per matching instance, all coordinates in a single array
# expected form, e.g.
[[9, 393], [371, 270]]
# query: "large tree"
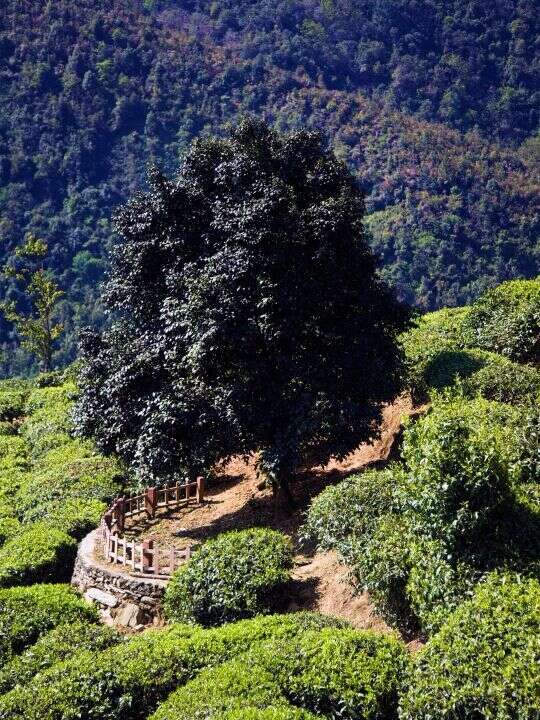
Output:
[[247, 314]]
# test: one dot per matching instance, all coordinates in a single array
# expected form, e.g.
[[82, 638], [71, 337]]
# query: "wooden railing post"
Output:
[[147, 557], [151, 502], [120, 514], [200, 489]]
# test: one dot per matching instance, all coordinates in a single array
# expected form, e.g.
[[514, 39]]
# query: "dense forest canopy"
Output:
[[433, 103]]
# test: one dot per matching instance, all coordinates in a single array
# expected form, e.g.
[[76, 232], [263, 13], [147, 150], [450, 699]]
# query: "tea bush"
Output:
[[437, 583], [235, 684], [72, 472], [507, 320], [130, 680], [502, 380], [12, 403], [381, 564], [337, 673], [463, 502], [434, 333], [59, 644], [460, 471], [484, 661], [39, 553], [9, 527], [75, 517], [270, 713], [342, 512], [232, 576], [28, 612], [7, 428]]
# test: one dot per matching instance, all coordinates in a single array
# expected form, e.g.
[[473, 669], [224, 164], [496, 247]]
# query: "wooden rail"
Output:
[[146, 557]]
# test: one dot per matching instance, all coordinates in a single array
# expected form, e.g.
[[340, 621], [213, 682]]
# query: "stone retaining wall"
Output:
[[125, 601]]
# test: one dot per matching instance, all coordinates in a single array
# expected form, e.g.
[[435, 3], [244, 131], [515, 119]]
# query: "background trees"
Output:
[[37, 326], [247, 314], [433, 103]]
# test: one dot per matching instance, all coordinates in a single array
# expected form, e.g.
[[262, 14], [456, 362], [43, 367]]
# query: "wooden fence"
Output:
[[147, 557]]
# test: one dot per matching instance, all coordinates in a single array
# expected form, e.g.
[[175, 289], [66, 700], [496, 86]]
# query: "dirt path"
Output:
[[237, 500]]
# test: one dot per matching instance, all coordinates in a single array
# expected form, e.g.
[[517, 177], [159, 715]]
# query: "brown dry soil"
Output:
[[238, 499]]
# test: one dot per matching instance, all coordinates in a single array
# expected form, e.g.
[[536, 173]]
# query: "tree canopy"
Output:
[[247, 314]]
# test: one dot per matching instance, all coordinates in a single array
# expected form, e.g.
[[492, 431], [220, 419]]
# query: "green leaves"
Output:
[[232, 576], [247, 314], [484, 661], [37, 328]]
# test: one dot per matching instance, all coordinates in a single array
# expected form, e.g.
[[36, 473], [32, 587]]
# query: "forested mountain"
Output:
[[434, 103]]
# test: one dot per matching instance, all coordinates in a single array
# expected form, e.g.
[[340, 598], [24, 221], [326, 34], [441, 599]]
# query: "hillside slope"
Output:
[[432, 102]]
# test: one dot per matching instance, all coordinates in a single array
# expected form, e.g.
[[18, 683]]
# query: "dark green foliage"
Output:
[[507, 320], [232, 261], [74, 517], [463, 502], [9, 527], [528, 444], [350, 509], [12, 404], [38, 553], [432, 336], [237, 684], [131, 679], [438, 356], [52, 488], [483, 663], [459, 462], [270, 713], [232, 576], [59, 644], [502, 380], [334, 673], [380, 562], [91, 91], [437, 582], [28, 612], [7, 428], [338, 674]]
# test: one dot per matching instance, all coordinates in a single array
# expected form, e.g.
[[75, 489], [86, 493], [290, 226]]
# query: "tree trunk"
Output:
[[281, 488]]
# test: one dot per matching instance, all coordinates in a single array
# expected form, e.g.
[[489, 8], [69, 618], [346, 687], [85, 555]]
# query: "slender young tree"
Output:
[[246, 314], [37, 326]]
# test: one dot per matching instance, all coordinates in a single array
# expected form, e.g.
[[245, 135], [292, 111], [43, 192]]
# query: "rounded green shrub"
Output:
[[343, 512], [59, 644], [130, 680], [75, 517], [506, 320], [460, 470], [12, 403], [484, 661], [282, 712], [7, 428], [232, 685], [503, 381], [432, 334], [381, 564], [70, 472], [232, 576], [39, 553], [437, 583], [337, 673], [28, 612], [528, 444], [9, 527]]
